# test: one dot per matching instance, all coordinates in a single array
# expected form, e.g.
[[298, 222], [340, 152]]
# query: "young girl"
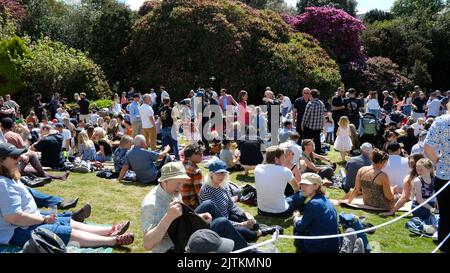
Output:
[[329, 129], [86, 148], [343, 142], [103, 146], [423, 188]]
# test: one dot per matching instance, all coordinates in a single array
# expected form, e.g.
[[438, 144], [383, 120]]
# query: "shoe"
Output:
[[124, 239], [68, 204], [82, 214], [348, 243], [359, 246], [119, 229], [269, 230]]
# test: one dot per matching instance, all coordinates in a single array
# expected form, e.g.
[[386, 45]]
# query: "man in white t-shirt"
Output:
[[271, 180], [286, 104], [434, 106], [67, 136], [295, 148], [397, 167], [153, 96], [148, 121], [164, 94]]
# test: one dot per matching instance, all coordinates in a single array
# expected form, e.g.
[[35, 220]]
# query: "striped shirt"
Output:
[[314, 115], [221, 198]]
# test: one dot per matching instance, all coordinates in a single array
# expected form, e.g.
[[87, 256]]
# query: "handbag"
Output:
[[44, 241]]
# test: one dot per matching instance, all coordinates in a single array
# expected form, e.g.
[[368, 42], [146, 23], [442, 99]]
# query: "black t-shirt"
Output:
[[338, 101], [84, 106], [389, 105], [419, 103], [166, 116], [300, 106], [408, 142], [352, 106], [106, 147], [250, 152], [51, 147]]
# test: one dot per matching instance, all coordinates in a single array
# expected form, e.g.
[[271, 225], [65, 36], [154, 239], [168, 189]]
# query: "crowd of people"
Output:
[[393, 151]]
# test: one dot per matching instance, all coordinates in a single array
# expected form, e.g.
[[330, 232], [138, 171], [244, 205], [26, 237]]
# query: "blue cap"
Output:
[[218, 166], [59, 124]]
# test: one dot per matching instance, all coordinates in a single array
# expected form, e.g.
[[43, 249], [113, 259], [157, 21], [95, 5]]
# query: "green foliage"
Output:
[[103, 103], [413, 7], [7, 27], [12, 51], [377, 15], [54, 67], [181, 44], [348, 6]]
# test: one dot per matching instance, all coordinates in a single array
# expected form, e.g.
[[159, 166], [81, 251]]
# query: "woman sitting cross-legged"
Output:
[[310, 158], [374, 183], [319, 218], [217, 190], [19, 214]]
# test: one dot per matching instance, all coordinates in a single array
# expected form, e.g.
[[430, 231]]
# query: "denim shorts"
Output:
[[61, 228]]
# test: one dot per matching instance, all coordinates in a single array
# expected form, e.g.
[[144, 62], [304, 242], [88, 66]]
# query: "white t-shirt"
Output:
[[294, 148], [396, 169], [146, 112], [66, 136], [164, 94], [154, 97], [286, 102], [94, 118], [434, 107], [270, 183], [373, 104]]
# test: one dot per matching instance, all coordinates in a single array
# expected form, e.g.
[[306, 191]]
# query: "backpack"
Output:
[[348, 220], [44, 241], [81, 167], [369, 125], [32, 181]]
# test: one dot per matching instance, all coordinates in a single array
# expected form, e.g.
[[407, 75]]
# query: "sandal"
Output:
[[125, 239], [119, 229]]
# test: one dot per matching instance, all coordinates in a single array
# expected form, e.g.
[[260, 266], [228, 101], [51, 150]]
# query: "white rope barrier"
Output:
[[441, 244], [275, 238]]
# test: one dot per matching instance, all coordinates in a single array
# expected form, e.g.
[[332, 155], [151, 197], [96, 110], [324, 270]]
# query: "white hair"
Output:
[[139, 140]]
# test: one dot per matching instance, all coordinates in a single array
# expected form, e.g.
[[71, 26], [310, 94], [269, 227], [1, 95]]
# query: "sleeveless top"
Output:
[[427, 189], [373, 194]]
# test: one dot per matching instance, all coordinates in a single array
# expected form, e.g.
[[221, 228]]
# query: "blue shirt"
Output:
[[438, 137], [14, 198], [134, 112], [141, 161], [119, 158], [319, 218]]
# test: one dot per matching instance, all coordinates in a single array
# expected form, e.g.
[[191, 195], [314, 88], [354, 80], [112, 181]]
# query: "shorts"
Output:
[[61, 227]]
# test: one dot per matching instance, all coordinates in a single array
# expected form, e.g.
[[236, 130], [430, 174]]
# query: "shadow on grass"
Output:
[[245, 179], [271, 221], [137, 184]]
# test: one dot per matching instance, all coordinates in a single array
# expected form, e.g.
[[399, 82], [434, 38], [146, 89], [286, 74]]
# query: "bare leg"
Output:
[[343, 155], [86, 239], [102, 231]]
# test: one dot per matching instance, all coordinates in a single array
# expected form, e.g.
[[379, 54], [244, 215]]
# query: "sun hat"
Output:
[[311, 179], [173, 170]]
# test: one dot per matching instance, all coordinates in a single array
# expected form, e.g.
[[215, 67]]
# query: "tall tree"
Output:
[[413, 7], [348, 5]]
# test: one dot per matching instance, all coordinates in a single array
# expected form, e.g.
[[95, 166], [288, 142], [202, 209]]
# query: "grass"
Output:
[[114, 202]]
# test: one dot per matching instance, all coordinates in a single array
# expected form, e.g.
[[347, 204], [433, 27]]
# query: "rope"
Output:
[[441, 244]]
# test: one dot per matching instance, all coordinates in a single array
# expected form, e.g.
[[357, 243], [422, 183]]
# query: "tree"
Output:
[[377, 15], [336, 30], [146, 7], [182, 44], [348, 6], [12, 51], [14, 8], [409, 8]]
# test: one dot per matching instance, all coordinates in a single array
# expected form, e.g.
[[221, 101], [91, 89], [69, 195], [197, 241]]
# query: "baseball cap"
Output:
[[311, 179], [366, 147], [218, 166], [206, 240], [173, 170], [59, 125], [7, 149]]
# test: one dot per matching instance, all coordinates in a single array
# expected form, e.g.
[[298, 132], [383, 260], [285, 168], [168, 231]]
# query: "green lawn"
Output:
[[114, 202]]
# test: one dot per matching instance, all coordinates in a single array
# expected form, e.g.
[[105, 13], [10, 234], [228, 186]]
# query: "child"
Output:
[[329, 129], [230, 159], [86, 147], [128, 127], [343, 142], [423, 188]]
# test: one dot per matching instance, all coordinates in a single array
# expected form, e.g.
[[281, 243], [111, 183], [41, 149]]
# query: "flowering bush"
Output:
[[14, 8], [336, 30], [181, 44]]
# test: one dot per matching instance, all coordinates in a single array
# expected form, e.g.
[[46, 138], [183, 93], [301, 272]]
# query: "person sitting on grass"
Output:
[[119, 158], [162, 206], [86, 147], [227, 156], [374, 183], [289, 155], [50, 146], [20, 216], [356, 163], [250, 150], [319, 218], [407, 185], [271, 179], [423, 188], [217, 190], [310, 158], [142, 162], [102, 145], [191, 189]]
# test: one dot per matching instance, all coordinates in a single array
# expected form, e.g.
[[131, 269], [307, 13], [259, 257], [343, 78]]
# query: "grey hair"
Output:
[[146, 96], [138, 140]]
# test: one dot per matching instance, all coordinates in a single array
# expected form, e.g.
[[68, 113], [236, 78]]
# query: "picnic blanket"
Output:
[[70, 249], [358, 203]]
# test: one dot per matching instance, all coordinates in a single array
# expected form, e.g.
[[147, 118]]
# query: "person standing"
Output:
[[388, 102], [148, 121], [418, 106], [226, 100], [269, 100], [299, 110], [286, 104], [338, 107], [38, 106], [53, 105], [167, 119], [83, 103], [373, 105], [313, 120], [437, 140], [433, 106], [135, 115], [353, 106]]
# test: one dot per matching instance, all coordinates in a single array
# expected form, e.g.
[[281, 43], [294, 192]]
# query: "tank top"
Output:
[[427, 189], [373, 194]]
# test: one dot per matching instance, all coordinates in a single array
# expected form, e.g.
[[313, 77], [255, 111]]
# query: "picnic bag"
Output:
[[44, 241]]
